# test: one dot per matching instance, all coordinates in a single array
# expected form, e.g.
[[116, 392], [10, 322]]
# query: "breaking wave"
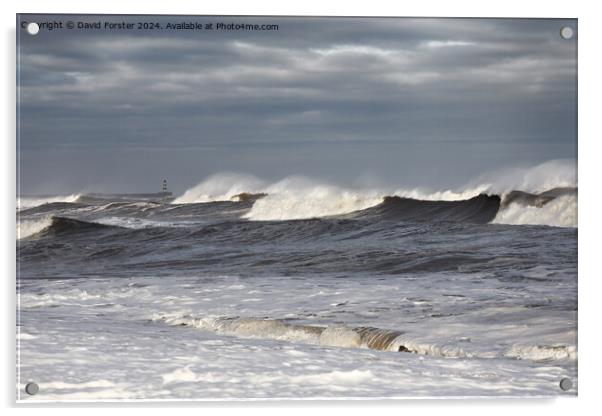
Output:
[[221, 187], [56, 226], [296, 197], [544, 195], [553, 208], [331, 336], [343, 336], [27, 228], [63, 225], [559, 212], [25, 202]]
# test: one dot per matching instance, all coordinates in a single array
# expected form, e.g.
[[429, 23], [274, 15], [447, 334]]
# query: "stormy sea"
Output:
[[298, 289]]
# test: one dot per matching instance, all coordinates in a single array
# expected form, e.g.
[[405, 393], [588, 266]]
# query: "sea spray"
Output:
[[223, 186]]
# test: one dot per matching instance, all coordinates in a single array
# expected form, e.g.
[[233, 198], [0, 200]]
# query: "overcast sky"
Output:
[[407, 102]]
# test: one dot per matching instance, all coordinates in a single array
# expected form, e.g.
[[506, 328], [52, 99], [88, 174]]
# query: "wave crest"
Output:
[[297, 198], [221, 187], [559, 212], [26, 202], [27, 228], [343, 336]]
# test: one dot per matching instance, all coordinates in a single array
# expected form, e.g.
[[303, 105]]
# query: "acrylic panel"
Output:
[[281, 207]]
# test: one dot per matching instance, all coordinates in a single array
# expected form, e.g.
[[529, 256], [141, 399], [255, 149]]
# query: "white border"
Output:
[[590, 25]]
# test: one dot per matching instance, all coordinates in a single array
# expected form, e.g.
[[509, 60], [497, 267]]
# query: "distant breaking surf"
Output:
[[556, 207], [543, 195]]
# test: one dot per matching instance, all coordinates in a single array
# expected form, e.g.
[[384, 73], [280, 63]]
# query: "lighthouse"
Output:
[[164, 192]]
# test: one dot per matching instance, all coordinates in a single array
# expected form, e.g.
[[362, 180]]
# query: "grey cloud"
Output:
[[319, 85]]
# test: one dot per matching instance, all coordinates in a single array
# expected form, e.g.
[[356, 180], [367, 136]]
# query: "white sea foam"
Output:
[[542, 352], [299, 198], [27, 228], [221, 187], [179, 375], [560, 212], [447, 195], [273, 358], [139, 223]]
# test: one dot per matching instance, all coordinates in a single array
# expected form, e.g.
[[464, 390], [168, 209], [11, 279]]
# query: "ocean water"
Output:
[[240, 289]]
